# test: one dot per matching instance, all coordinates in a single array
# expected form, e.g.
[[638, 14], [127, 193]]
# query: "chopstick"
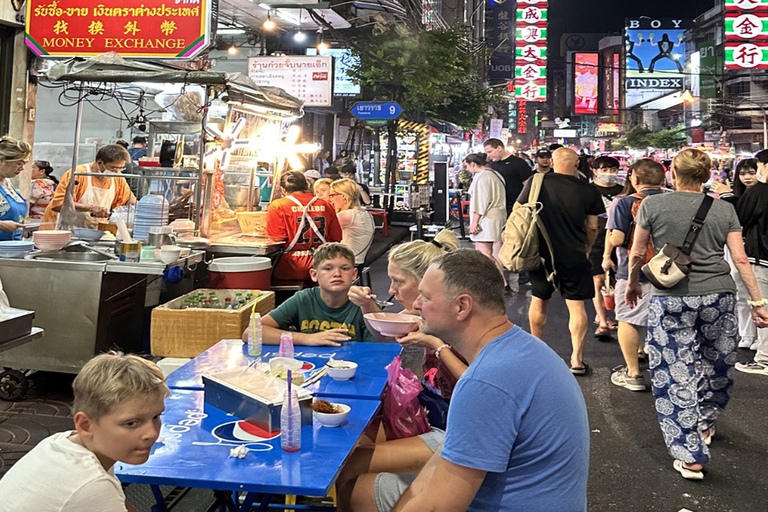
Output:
[[319, 374]]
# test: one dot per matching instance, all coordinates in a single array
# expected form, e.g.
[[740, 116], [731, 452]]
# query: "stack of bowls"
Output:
[[150, 211], [15, 248], [183, 228], [51, 240]]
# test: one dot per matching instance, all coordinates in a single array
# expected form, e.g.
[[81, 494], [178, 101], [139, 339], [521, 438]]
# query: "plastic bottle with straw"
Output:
[[290, 419]]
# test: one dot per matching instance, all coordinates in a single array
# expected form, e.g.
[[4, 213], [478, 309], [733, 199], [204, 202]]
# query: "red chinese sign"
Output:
[[147, 29], [522, 119], [746, 30], [531, 50]]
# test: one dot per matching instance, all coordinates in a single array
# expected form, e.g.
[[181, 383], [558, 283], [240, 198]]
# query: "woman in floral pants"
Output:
[[692, 328]]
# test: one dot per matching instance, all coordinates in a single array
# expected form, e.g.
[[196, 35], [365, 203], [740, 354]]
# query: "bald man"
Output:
[[570, 210]]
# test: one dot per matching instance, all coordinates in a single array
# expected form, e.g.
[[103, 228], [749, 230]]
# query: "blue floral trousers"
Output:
[[691, 347]]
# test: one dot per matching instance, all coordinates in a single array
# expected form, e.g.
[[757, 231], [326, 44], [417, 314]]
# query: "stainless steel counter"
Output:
[[244, 244]]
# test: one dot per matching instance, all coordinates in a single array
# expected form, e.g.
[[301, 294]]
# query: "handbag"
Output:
[[673, 264]]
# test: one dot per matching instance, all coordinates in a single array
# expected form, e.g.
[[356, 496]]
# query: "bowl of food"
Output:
[[330, 414], [341, 370], [394, 325]]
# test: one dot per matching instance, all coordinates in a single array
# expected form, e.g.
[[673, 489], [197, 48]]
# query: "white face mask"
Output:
[[606, 177]]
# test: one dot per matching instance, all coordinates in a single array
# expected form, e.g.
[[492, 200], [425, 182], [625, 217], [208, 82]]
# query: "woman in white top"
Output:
[[487, 206], [356, 224]]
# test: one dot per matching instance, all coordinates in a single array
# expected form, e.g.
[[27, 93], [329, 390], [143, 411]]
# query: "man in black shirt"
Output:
[[570, 210], [543, 161], [514, 170]]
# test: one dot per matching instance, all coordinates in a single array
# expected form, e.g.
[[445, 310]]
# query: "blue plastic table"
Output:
[[196, 438], [368, 382]]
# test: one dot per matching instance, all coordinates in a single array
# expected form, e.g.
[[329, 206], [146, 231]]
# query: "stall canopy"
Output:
[[110, 67]]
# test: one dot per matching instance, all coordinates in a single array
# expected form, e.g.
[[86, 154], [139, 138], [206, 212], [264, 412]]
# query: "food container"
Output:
[[241, 272], [169, 254], [257, 410], [15, 248], [128, 251], [15, 323], [335, 419]]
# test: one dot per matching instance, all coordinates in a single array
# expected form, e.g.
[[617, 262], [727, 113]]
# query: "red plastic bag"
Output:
[[403, 414]]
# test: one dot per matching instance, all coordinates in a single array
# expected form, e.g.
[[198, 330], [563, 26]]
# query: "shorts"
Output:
[[388, 487], [637, 315], [573, 280]]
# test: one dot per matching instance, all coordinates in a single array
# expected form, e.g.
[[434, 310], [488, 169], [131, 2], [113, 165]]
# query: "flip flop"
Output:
[[580, 370], [603, 333], [688, 474]]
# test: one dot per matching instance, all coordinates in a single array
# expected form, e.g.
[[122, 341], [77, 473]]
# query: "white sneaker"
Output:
[[752, 367], [754, 346], [746, 342]]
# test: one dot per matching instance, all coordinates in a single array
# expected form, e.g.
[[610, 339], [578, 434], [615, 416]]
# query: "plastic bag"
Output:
[[403, 414]]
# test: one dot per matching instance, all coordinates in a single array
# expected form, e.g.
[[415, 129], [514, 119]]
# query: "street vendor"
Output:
[[95, 196], [305, 222], [13, 207]]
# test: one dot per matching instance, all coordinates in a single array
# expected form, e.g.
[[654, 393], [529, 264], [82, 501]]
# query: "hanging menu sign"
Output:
[[147, 29], [531, 50]]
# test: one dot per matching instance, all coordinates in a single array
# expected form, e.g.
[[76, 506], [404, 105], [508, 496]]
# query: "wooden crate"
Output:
[[188, 332]]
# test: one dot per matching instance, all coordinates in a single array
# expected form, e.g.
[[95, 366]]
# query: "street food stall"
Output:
[[89, 299]]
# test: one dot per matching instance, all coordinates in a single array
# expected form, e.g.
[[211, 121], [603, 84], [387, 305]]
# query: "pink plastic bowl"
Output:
[[393, 325]]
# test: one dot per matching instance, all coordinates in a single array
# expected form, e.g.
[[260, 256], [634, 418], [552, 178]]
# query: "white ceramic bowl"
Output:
[[394, 325], [333, 420], [169, 253], [345, 370]]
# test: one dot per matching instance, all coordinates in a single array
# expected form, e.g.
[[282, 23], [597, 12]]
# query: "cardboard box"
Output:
[[188, 332]]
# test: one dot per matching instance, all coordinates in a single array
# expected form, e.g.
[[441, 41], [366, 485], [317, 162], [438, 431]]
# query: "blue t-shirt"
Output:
[[621, 219], [518, 413]]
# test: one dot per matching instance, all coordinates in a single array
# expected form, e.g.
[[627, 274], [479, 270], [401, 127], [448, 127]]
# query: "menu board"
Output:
[[309, 79]]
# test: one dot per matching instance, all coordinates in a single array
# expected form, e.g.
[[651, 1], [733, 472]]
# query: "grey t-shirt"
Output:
[[668, 218]]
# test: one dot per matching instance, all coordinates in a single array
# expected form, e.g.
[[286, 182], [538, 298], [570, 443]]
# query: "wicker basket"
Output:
[[188, 332]]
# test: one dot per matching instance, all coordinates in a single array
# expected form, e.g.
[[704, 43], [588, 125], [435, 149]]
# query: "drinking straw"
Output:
[[290, 411]]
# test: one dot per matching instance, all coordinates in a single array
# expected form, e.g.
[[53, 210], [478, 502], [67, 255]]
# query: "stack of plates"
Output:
[[15, 248], [51, 240], [151, 211]]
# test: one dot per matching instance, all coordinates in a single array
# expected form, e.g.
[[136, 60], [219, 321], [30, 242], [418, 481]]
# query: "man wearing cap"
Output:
[[514, 170], [543, 161], [312, 176]]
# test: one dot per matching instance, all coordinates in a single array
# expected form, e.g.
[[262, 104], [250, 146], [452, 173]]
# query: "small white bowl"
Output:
[[169, 254], [335, 419], [341, 374]]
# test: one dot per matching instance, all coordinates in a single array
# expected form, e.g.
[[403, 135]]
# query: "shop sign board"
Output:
[[746, 55], [585, 83], [138, 29], [655, 58], [608, 127], [376, 123], [500, 34], [708, 70], [343, 61], [376, 110], [531, 50], [746, 5], [746, 25], [309, 79]]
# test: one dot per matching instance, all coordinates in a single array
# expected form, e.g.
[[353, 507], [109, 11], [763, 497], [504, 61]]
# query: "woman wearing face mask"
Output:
[[13, 208], [605, 179]]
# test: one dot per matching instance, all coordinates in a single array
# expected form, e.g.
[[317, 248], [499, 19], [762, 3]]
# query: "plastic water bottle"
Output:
[[290, 422], [255, 336], [286, 345]]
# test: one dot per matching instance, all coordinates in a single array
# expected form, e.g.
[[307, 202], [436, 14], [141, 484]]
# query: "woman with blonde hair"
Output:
[[442, 367], [692, 328], [13, 208], [322, 189], [357, 225]]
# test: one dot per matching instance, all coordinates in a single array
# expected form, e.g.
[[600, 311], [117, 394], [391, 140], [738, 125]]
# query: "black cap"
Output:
[[543, 153]]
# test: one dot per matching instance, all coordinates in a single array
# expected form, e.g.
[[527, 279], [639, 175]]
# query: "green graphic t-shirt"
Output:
[[307, 312]]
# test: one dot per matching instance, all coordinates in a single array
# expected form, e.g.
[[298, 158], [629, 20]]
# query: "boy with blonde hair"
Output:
[[117, 407]]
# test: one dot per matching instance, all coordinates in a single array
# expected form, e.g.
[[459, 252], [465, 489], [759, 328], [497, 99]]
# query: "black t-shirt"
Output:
[[566, 201], [752, 209], [515, 171]]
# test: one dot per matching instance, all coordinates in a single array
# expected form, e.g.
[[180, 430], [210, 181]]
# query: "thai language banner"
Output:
[[309, 79], [149, 29]]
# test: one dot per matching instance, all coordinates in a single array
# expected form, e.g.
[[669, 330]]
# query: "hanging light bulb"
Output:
[[300, 37], [269, 24], [232, 50], [322, 47]]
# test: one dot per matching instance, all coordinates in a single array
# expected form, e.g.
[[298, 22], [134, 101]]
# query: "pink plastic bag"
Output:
[[403, 414]]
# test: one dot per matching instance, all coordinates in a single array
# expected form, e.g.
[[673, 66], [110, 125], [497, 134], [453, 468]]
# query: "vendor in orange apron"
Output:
[[94, 197], [305, 222], [13, 207]]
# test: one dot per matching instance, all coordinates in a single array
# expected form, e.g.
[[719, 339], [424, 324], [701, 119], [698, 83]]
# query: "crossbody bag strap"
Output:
[[533, 197], [536, 184], [696, 224]]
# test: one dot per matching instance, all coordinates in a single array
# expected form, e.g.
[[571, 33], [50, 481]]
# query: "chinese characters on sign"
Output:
[[309, 79], [500, 34], [531, 52], [151, 29], [522, 119], [746, 34]]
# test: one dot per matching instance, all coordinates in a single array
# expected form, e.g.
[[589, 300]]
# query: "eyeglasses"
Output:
[[113, 168]]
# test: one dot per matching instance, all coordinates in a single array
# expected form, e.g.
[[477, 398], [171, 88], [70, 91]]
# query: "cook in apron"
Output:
[[13, 207], [304, 219], [95, 196], [295, 263]]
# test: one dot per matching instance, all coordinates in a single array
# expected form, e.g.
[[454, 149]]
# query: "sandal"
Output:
[[707, 436], [614, 326], [603, 333], [580, 370], [688, 474]]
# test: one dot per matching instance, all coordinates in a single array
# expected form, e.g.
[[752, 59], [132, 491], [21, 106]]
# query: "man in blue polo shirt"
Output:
[[517, 436]]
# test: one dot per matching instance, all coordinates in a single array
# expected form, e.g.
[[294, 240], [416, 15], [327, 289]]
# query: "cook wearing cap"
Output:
[[543, 161], [311, 175]]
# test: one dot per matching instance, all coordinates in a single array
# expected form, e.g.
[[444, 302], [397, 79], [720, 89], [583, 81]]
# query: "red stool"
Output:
[[465, 209], [383, 215]]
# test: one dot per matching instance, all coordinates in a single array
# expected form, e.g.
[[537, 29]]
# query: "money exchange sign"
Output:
[[147, 29], [746, 34]]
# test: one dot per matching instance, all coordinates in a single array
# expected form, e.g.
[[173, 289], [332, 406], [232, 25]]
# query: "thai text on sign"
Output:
[[154, 29]]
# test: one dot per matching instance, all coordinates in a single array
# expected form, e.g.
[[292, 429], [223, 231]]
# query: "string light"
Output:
[[269, 24], [232, 50]]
